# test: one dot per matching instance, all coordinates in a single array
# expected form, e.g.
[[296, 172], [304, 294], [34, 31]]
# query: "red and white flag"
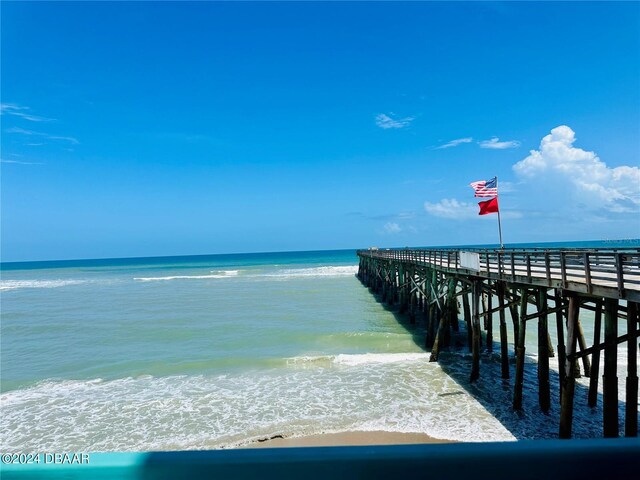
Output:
[[485, 188]]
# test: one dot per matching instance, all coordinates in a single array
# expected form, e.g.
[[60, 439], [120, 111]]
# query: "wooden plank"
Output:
[[621, 339], [497, 309], [549, 311]]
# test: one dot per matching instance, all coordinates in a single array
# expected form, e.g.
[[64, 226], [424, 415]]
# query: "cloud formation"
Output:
[[392, 227], [20, 163], [22, 131], [455, 143], [595, 184], [496, 144], [451, 208], [387, 121], [22, 112]]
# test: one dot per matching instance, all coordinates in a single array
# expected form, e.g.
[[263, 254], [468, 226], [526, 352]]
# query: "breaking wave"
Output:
[[281, 274], [18, 284]]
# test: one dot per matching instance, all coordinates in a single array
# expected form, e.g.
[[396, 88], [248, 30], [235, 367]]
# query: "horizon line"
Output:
[[2, 263]]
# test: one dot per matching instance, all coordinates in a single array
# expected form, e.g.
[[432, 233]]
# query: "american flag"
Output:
[[485, 188]]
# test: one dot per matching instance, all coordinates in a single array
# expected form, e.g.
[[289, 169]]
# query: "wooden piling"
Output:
[[582, 343], [520, 349], [550, 344], [402, 289], [448, 309], [568, 389], [557, 298], [515, 319], [631, 407], [544, 393], [504, 349], [595, 357], [435, 351], [489, 324], [455, 311], [467, 319], [610, 378], [475, 301], [432, 322]]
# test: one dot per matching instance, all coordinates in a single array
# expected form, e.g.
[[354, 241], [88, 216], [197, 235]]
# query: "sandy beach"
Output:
[[347, 439]]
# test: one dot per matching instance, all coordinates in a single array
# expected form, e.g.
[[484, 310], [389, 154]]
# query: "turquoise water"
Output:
[[219, 351]]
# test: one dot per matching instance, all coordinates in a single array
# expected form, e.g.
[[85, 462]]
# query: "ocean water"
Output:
[[224, 350]]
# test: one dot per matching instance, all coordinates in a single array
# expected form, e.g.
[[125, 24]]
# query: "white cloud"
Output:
[[496, 144], [506, 187], [451, 208], [22, 131], [617, 189], [392, 227], [22, 112], [455, 143], [20, 163], [457, 210], [386, 121]]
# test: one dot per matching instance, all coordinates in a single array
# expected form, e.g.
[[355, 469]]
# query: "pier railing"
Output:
[[606, 272]]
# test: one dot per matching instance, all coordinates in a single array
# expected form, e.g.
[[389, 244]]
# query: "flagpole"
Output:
[[499, 222], [500, 229]]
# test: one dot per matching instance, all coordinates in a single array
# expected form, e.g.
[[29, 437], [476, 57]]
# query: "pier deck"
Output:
[[558, 283]]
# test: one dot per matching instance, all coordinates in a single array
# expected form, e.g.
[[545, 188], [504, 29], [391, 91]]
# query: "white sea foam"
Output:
[[193, 412], [359, 359], [18, 284], [327, 271], [220, 274], [228, 273], [368, 358], [278, 274]]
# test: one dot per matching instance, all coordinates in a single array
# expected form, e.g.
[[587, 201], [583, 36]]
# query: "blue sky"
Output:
[[140, 129]]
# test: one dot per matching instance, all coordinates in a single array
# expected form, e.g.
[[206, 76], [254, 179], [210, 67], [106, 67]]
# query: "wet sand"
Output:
[[347, 439]]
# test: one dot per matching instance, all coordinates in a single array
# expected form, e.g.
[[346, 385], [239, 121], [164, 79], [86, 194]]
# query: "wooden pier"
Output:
[[532, 284]]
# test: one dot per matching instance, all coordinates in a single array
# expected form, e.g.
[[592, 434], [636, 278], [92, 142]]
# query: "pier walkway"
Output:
[[531, 284]]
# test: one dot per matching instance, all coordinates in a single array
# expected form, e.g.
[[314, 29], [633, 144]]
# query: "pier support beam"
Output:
[[568, 390], [520, 349], [544, 393], [610, 378], [631, 408], [595, 357], [562, 358], [467, 319], [475, 320], [582, 343], [515, 319], [488, 321], [504, 348]]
